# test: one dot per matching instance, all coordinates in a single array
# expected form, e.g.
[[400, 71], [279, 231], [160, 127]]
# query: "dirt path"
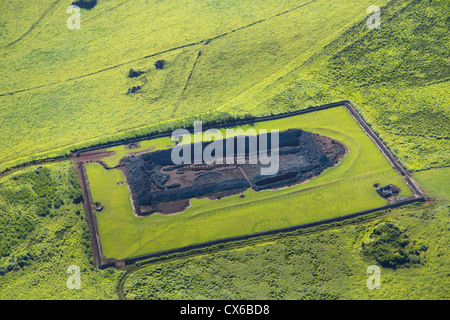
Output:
[[91, 221]]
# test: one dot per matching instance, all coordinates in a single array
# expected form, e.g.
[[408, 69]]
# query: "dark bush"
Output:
[[392, 260], [134, 89], [160, 64], [43, 206], [58, 203], [85, 4], [391, 247], [76, 195], [134, 73]]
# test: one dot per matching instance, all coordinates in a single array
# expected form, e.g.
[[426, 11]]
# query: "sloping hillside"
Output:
[[71, 85]]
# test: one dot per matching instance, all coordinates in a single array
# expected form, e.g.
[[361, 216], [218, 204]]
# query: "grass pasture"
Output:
[[324, 265], [65, 90], [435, 182], [54, 75], [341, 190]]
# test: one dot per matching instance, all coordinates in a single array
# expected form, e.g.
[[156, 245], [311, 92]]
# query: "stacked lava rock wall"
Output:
[[302, 156]]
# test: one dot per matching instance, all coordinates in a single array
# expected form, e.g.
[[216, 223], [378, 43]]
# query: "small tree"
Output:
[[134, 73], [160, 64], [85, 4]]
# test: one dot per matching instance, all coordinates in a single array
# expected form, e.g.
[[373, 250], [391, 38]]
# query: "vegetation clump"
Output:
[[85, 4], [134, 73], [160, 64], [36, 195], [134, 89], [18, 262], [392, 248]]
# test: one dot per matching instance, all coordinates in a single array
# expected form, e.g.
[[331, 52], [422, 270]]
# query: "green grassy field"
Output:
[[63, 89], [86, 70], [306, 54], [435, 182], [344, 189], [322, 264], [327, 264], [37, 247]]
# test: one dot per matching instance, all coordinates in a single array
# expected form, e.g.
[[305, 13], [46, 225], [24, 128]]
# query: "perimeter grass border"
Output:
[[101, 262]]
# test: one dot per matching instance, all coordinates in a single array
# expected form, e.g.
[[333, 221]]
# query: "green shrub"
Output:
[[85, 4], [391, 247]]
